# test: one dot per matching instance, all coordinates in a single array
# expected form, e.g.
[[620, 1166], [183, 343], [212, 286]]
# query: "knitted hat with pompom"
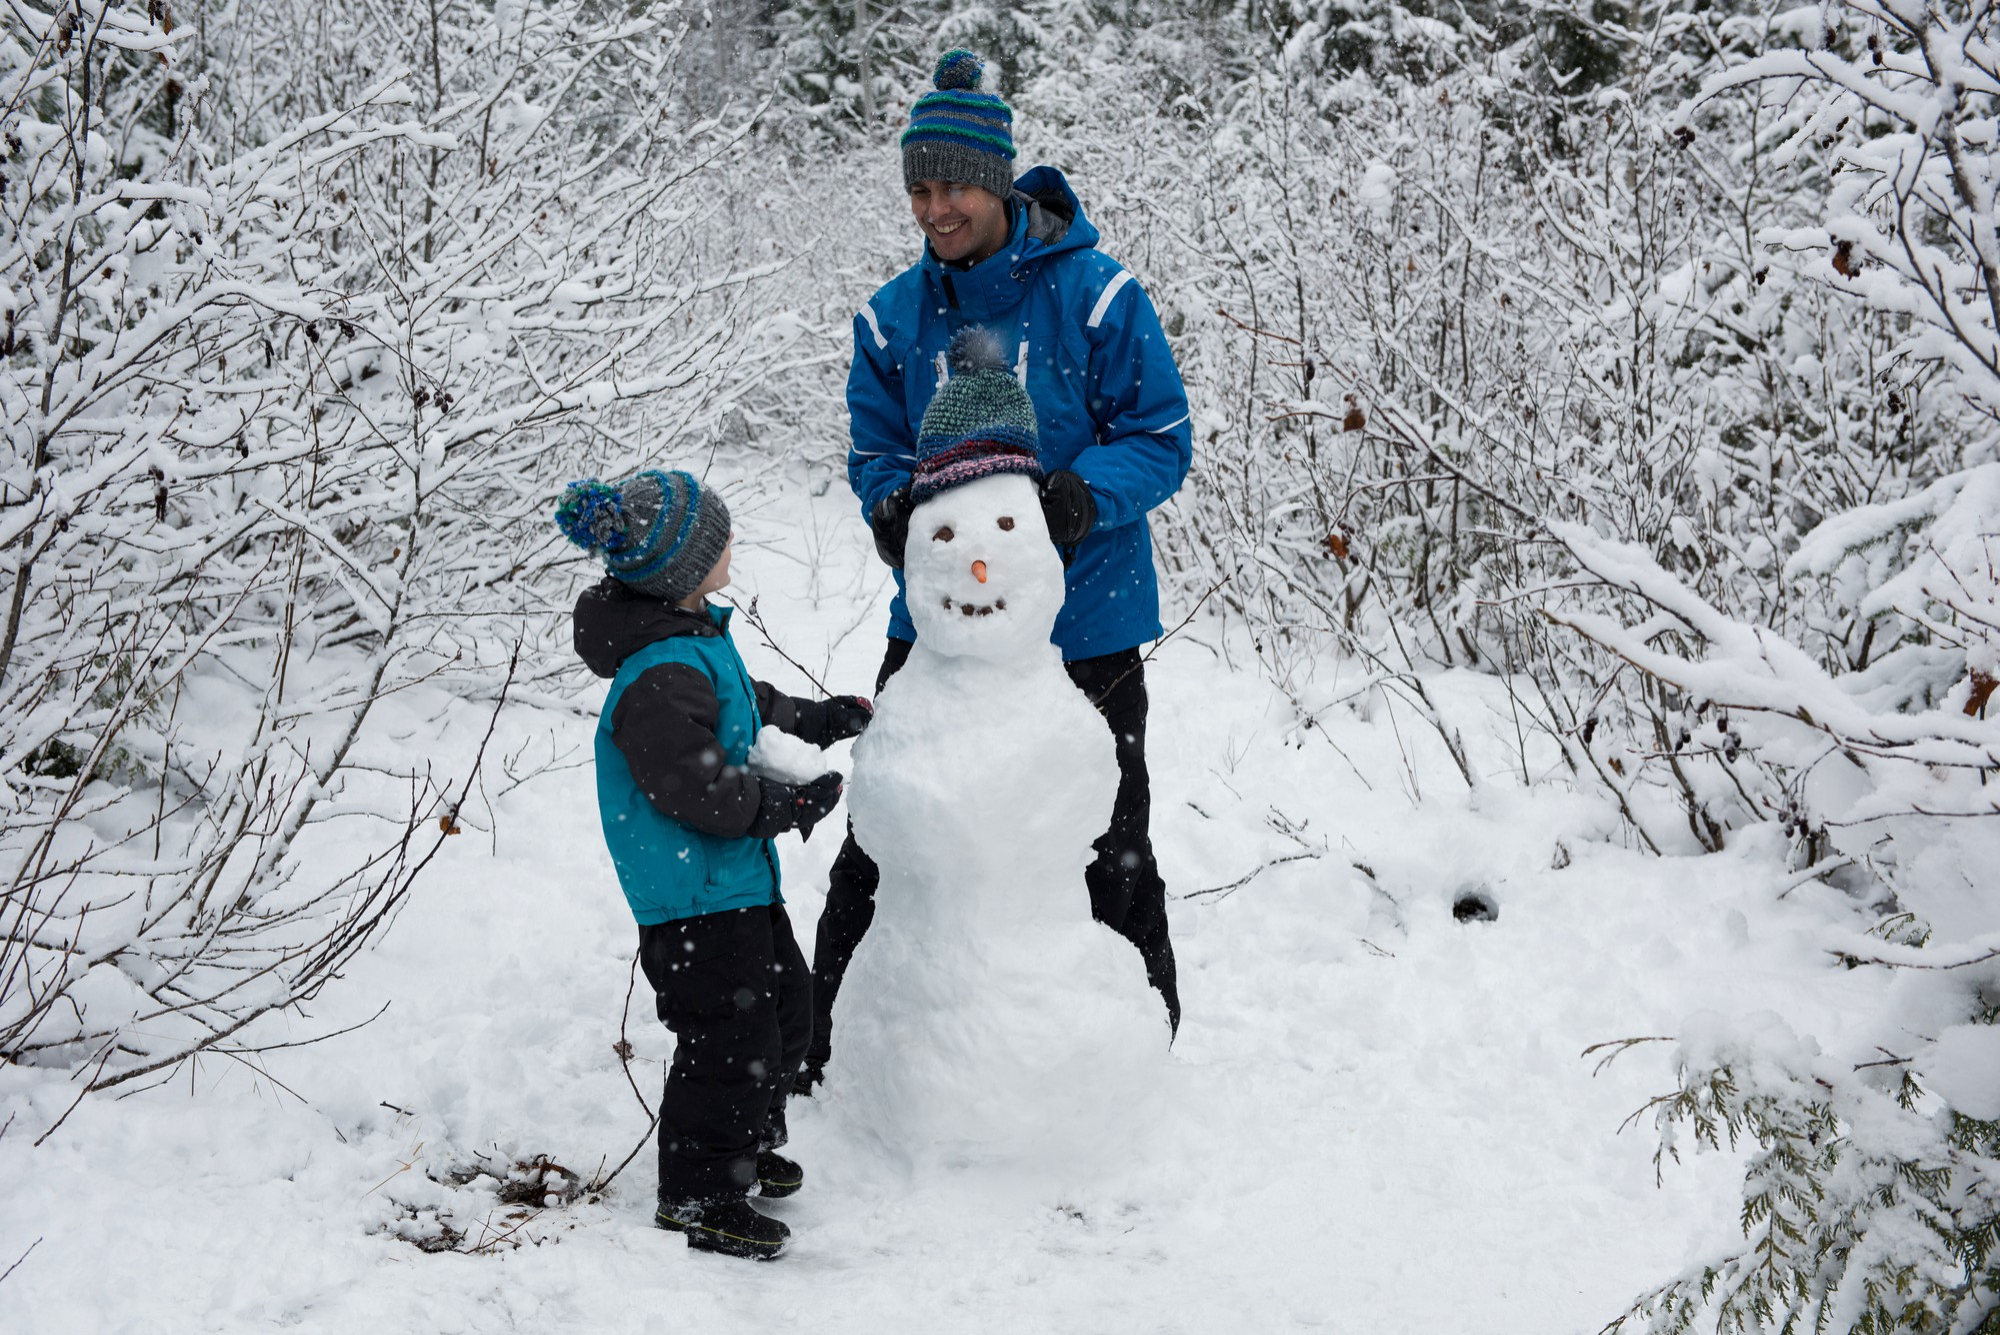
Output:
[[980, 422], [958, 133], [660, 533]]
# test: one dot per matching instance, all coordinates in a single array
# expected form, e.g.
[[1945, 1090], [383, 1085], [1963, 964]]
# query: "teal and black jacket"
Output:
[[687, 823]]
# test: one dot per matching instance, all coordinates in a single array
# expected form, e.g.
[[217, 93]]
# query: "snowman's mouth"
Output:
[[977, 609]]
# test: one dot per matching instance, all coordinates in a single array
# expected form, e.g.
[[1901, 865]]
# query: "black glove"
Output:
[[811, 801], [845, 716], [1068, 506], [890, 520], [789, 806], [824, 722]]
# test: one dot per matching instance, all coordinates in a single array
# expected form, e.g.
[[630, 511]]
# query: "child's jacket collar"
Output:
[[613, 622]]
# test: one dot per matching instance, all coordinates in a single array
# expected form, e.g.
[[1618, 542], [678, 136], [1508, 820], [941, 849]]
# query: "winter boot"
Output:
[[777, 1176], [732, 1227]]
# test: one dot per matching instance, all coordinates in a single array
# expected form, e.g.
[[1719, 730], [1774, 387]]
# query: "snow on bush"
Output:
[[1650, 369], [293, 367]]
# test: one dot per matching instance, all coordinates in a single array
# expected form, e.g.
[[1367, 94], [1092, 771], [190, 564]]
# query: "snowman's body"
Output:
[[987, 1017]]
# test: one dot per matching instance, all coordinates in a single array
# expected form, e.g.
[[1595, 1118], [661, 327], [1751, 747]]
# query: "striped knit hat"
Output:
[[980, 422], [959, 133], [661, 533]]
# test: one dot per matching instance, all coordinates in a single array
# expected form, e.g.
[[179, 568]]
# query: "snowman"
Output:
[[987, 1018]]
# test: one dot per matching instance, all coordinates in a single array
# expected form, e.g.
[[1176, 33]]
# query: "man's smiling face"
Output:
[[963, 223]]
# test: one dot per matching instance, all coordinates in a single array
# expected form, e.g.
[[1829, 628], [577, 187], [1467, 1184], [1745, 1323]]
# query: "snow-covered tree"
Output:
[[1661, 396], [1870, 1202], [293, 369]]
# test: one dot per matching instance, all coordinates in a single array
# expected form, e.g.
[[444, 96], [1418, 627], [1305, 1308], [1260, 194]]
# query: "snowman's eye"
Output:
[[943, 535], [1006, 523]]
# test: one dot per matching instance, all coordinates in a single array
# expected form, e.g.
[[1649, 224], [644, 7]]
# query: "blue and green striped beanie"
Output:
[[958, 133], [660, 533]]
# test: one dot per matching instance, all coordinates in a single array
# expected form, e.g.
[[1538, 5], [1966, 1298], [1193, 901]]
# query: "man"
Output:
[[1019, 258]]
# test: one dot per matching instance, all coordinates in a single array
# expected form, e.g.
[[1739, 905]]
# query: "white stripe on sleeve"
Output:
[[1104, 300], [874, 326]]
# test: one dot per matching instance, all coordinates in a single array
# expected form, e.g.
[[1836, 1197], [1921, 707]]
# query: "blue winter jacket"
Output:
[[1108, 398], [669, 869]]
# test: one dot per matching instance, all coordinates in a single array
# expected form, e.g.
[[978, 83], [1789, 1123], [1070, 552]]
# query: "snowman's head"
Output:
[[981, 576]]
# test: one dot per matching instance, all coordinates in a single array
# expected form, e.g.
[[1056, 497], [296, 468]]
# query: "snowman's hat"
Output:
[[980, 422]]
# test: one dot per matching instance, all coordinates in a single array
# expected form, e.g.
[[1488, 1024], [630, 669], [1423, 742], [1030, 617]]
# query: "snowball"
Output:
[[788, 759]]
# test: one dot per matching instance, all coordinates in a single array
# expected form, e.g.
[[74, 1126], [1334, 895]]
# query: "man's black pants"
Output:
[[734, 988], [1126, 892]]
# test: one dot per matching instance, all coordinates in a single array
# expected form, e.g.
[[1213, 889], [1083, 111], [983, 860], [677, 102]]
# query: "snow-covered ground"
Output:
[[1380, 1117]]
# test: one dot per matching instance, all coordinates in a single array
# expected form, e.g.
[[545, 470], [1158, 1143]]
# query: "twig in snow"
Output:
[[1619, 1047], [242, 1060], [491, 1245], [624, 1048], [1992, 809], [597, 1188], [1818, 871], [1854, 961], [1888, 1059], [412, 1163], [1224, 891], [17, 1261], [624, 1057], [87, 1087], [308, 1042], [1194, 611]]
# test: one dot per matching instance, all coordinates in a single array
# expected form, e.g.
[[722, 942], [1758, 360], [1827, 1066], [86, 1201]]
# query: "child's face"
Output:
[[718, 575]]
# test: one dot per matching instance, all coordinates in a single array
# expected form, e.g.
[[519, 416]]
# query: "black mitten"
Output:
[[1068, 506], [846, 716], [824, 722], [812, 801], [793, 806], [890, 520]]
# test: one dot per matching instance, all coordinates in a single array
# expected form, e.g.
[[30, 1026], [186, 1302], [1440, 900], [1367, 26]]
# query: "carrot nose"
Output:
[[979, 571]]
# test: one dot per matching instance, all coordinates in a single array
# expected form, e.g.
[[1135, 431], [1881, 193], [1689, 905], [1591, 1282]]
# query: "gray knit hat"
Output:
[[660, 533], [959, 133]]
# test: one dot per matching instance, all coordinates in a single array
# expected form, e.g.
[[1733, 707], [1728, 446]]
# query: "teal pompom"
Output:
[[592, 516], [959, 69]]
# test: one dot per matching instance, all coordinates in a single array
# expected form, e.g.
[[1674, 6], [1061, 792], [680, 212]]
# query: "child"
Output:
[[690, 829]]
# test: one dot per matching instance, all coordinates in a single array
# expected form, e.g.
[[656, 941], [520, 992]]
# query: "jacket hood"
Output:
[[1048, 220], [613, 622]]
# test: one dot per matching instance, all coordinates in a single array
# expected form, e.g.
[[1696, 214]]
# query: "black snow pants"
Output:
[[734, 988], [1126, 892]]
